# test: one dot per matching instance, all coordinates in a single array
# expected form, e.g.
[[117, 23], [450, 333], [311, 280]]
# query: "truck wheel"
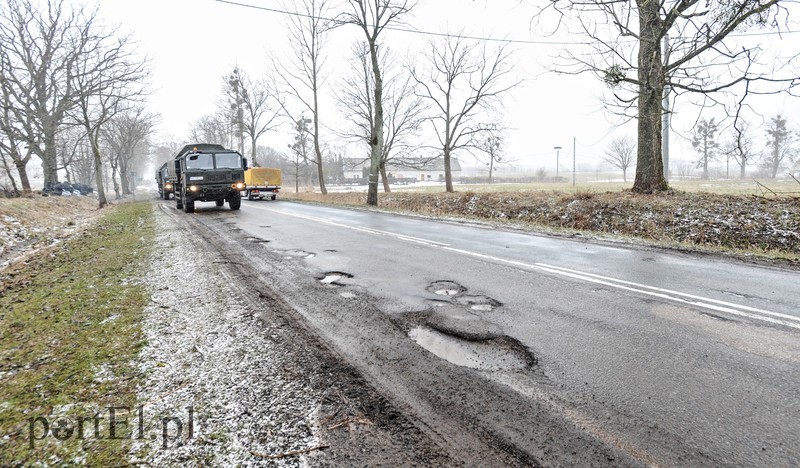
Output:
[[188, 206], [179, 201], [165, 195], [235, 203], [273, 197], [219, 202]]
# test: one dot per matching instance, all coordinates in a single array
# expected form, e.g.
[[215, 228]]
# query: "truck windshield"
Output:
[[199, 161], [228, 161]]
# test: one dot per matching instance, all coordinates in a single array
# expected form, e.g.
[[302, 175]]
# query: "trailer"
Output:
[[262, 182]]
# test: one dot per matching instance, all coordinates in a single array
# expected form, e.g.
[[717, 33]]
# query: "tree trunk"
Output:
[[649, 162], [117, 195], [10, 175], [448, 177], [317, 151], [123, 176], [741, 168], [23, 175], [385, 179], [253, 152], [98, 175], [491, 168], [50, 159], [376, 139]]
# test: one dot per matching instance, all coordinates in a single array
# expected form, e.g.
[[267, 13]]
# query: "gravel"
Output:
[[206, 351]]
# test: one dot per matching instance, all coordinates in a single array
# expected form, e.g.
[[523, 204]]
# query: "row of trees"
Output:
[[455, 90], [651, 55], [71, 94], [739, 146]]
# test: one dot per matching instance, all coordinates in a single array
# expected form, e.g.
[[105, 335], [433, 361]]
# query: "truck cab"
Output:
[[209, 175], [165, 181]]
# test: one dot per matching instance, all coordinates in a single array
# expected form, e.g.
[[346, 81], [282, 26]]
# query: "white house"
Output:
[[409, 170]]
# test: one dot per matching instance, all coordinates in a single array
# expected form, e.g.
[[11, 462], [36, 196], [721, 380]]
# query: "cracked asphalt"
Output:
[[465, 345]]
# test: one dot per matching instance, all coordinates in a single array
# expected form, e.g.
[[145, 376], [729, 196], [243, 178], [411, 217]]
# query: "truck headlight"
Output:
[[193, 188], [168, 186], [238, 185]]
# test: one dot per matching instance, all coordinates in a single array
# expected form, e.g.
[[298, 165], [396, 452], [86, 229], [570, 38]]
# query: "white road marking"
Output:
[[667, 294]]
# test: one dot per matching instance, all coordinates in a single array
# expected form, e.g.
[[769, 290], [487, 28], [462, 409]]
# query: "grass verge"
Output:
[[69, 333]]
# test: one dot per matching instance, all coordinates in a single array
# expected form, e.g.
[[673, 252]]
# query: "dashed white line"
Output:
[[666, 294]]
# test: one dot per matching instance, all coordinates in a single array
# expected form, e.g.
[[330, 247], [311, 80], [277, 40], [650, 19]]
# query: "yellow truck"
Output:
[[262, 182]]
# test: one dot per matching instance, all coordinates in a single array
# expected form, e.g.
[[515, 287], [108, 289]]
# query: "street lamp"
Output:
[[557, 148]]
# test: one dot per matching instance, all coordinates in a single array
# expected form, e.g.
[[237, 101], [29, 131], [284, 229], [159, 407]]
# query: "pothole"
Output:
[[332, 278], [446, 288], [292, 254], [257, 240], [331, 250], [489, 354], [478, 303], [437, 303]]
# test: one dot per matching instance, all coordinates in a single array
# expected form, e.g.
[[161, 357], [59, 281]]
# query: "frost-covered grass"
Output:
[[69, 330]]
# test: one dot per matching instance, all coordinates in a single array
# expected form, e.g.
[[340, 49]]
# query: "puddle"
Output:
[[478, 303], [332, 278], [490, 354], [446, 288]]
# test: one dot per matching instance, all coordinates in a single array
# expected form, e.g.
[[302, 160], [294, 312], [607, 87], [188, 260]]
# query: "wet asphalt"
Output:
[[671, 358]]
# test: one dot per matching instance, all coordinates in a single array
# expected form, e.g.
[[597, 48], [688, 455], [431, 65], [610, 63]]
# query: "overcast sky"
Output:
[[193, 43]]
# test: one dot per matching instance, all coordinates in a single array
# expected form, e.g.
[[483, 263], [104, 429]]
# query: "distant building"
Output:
[[420, 170]]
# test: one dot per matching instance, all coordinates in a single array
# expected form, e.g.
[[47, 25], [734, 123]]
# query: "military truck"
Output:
[[165, 181], [211, 174], [261, 182]]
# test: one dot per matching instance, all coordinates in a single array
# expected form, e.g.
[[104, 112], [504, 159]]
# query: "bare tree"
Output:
[[254, 111], [213, 128], [301, 75], [704, 140], [373, 16], [701, 57], [492, 144], [740, 146], [12, 143], [403, 110], [779, 146], [460, 79], [127, 138], [41, 49], [109, 81], [301, 149], [621, 154]]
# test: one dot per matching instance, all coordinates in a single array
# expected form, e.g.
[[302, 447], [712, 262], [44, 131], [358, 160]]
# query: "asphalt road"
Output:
[[512, 348]]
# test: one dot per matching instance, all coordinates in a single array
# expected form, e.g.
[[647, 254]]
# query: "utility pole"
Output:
[[557, 148], [574, 145], [665, 118]]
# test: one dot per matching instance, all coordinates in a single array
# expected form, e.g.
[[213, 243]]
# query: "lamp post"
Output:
[[557, 148]]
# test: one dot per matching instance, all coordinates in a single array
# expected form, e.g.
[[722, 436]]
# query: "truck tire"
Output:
[[273, 197], [179, 201], [165, 195], [235, 203], [188, 206], [219, 202]]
